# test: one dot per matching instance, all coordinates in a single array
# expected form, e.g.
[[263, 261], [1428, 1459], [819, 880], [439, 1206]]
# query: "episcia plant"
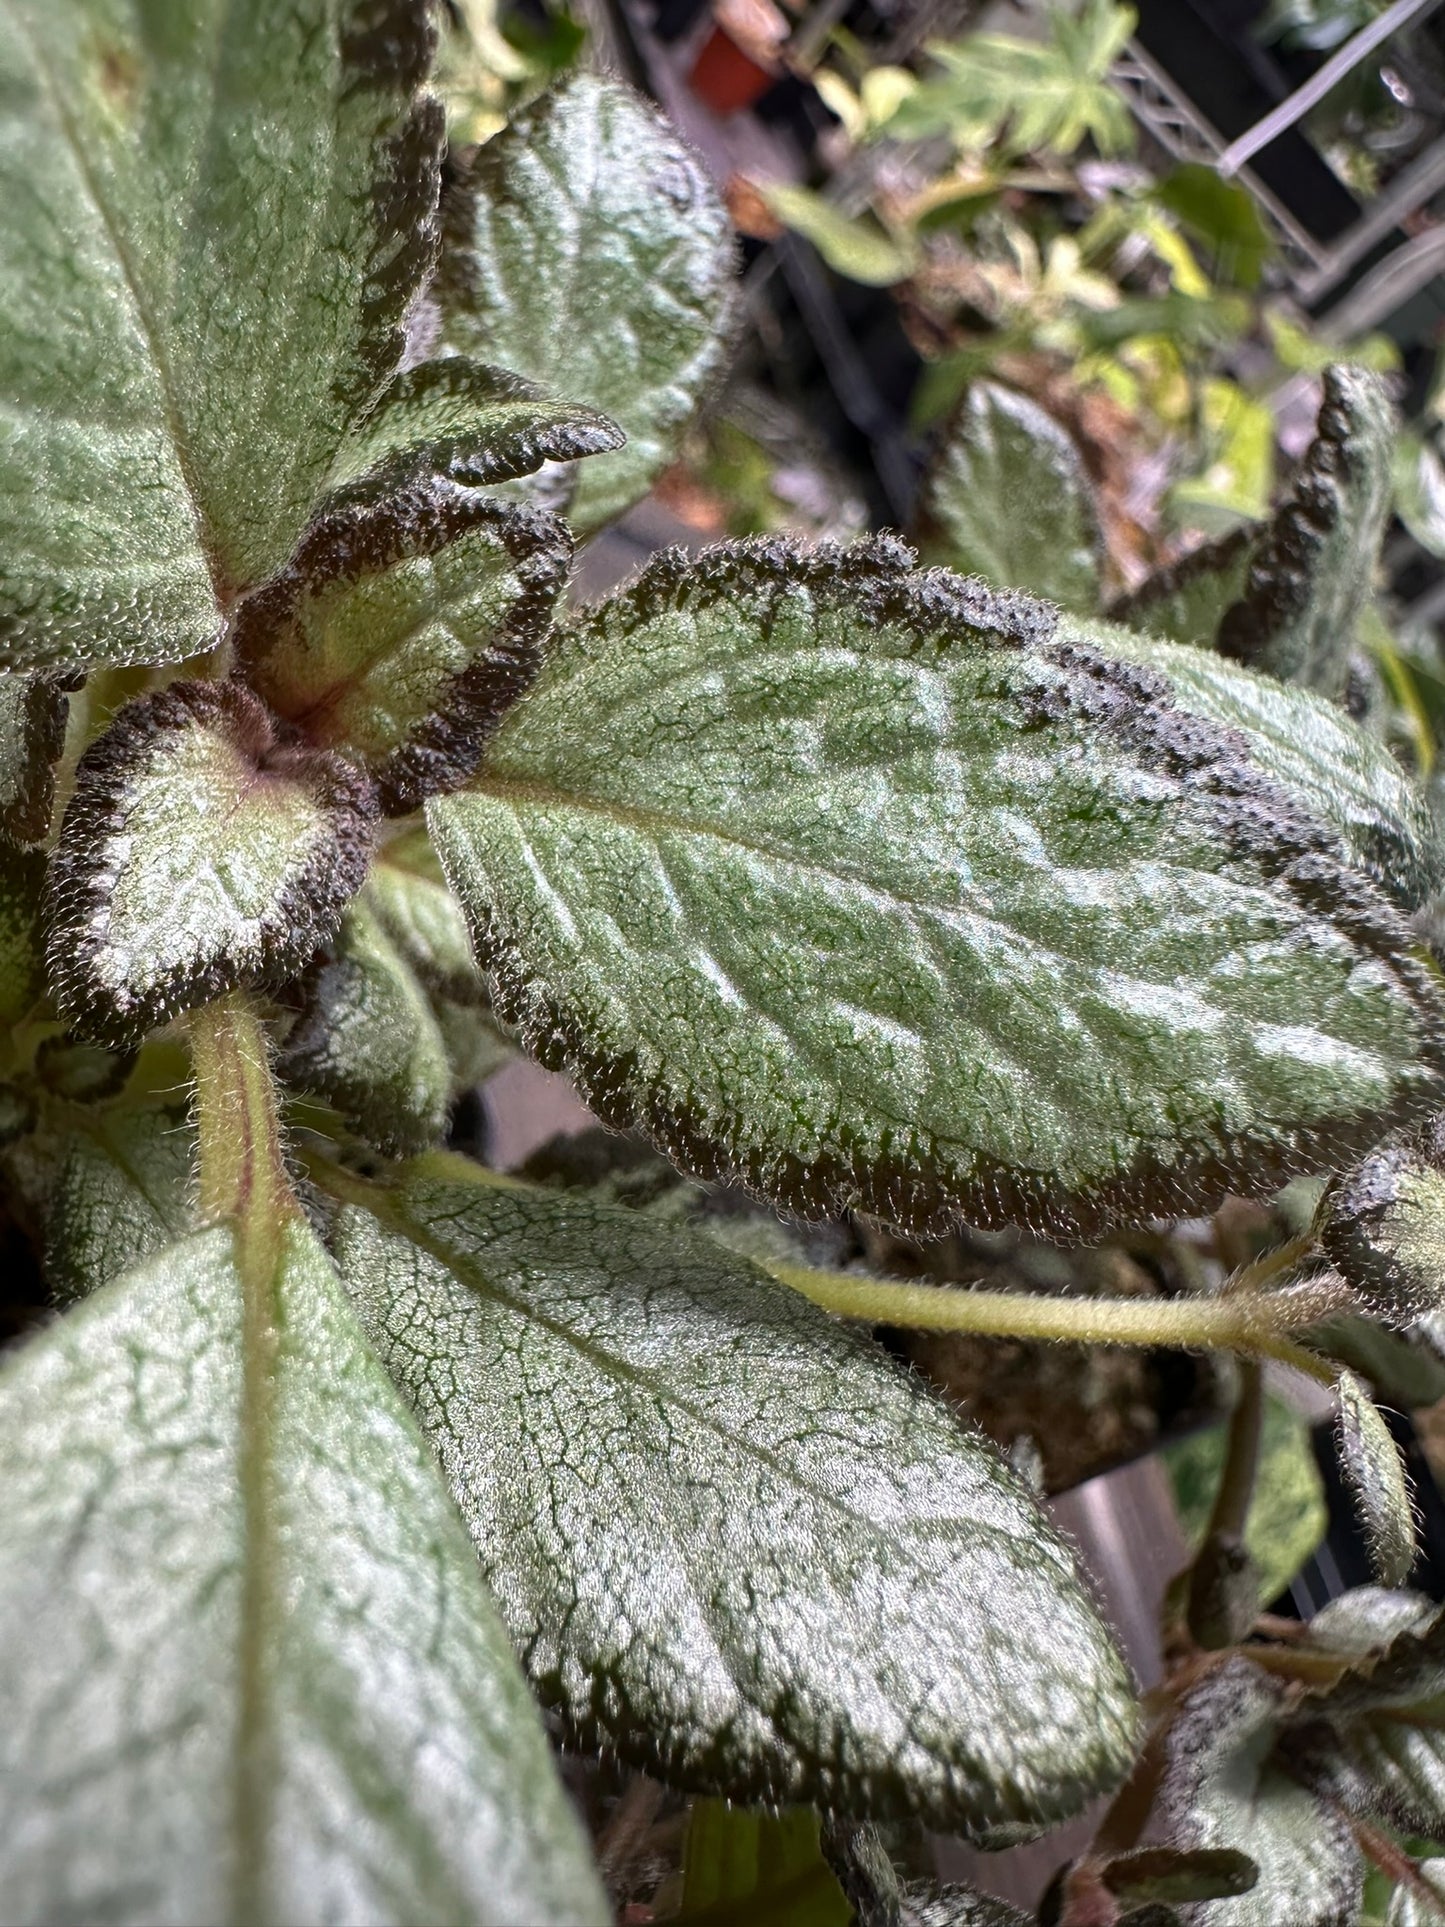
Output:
[[350, 1477]]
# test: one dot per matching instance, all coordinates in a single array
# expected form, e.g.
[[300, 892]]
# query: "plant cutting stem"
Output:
[[1254, 1323]]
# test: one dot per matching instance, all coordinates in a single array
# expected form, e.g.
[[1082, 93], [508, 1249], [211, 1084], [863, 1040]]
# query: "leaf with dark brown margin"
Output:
[[470, 423], [214, 218], [1223, 1787], [33, 712], [405, 627], [1311, 571], [588, 248], [1383, 1225], [1186, 602], [863, 887], [198, 853], [367, 1042]]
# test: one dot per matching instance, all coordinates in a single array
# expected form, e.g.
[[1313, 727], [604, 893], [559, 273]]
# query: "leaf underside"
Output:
[[1383, 1226], [587, 248], [197, 854], [867, 888], [248, 1668], [730, 1537], [219, 215], [1370, 1461], [405, 627]]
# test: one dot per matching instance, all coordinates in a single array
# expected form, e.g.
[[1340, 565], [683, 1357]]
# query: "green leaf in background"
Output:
[[1311, 574], [856, 246], [22, 958], [860, 886], [124, 1192], [730, 1536], [741, 1868], [1334, 770], [1221, 215], [404, 627], [1006, 497], [1420, 491], [1186, 602], [249, 1669], [1383, 1226], [197, 854], [1288, 1516], [215, 219], [469, 423], [1374, 1742], [1406, 1368], [1222, 1788], [407, 893], [366, 1040], [33, 713], [80, 1071], [588, 249], [1370, 1462]]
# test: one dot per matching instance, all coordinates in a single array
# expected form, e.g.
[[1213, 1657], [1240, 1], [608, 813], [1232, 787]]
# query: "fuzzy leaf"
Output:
[[470, 424], [1168, 1874], [366, 1041], [1375, 1741], [197, 854], [1421, 1903], [404, 628], [22, 969], [81, 1072], [879, 1897], [1007, 498], [1223, 1789], [1406, 1368], [1186, 602], [33, 713], [1333, 769], [863, 888], [1311, 572], [215, 219], [1370, 1461], [125, 1192], [248, 1668], [408, 894], [588, 249], [749, 1869], [727, 1534], [1383, 1226]]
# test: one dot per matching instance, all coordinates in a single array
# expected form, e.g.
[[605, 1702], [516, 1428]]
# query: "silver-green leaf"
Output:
[[1186, 602], [250, 1672], [728, 1535], [1223, 1788], [367, 1042], [1383, 1226], [197, 853], [1333, 769], [470, 423], [125, 1190], [1311, 572], [1007, 498], [587, 248], [1370, 1462], [215, 219], [868, 888], [33, 714]]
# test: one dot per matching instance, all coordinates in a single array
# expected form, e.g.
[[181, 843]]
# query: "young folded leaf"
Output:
[[1370, 1461], [22, 948], [1311, 571], [404, 628], [1187, 601], [1383, 1226], [865, 888], [125, 1191], [250, 1671], [197, 854], [1223, 1788], [1374, 1743], [33, 711], [469, 423], [728, 1535], [1007, 498], [212, 232], [587, 248], [366, 1040], [1333, 769]]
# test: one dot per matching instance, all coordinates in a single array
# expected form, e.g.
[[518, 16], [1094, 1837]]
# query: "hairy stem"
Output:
[[243, 1177], [1255, 1324]]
